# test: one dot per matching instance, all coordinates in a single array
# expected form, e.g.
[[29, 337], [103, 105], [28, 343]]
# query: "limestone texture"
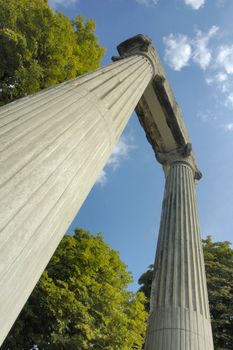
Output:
[[179, 310], [53, 146]]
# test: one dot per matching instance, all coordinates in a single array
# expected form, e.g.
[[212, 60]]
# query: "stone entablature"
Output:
[[53, 146]]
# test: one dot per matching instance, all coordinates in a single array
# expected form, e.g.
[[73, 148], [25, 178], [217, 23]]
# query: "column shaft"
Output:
[[179, 318], [53, 147]]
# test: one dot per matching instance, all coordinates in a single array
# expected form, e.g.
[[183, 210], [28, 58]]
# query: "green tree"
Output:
[[146, 281], [81, 302], [41, 48], [219, 271]]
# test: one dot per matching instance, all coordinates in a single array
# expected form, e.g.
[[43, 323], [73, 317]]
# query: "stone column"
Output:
[[54, 145], [179, 317]]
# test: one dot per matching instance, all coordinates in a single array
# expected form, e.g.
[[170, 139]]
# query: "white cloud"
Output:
[[201, 52], [177, 51], [119, 154], [102, 178], [148, 3], [225, 58], [204, 116], [180, 48], [229, 101], [220, 77], [222, 74], [228, 127], [220, 81], [209, 80], [207, 116], [216, 60], [195, 4]]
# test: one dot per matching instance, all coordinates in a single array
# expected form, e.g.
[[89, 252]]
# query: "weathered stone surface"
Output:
[[179, 317], [157, 100], [53, 147]]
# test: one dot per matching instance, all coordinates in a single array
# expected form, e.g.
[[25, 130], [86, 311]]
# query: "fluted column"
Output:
[[53, 147], [179, 317]]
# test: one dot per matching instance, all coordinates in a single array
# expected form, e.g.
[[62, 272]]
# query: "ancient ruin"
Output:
[[55, 143]]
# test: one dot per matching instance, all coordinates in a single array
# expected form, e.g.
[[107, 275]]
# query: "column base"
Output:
[[176, 328]]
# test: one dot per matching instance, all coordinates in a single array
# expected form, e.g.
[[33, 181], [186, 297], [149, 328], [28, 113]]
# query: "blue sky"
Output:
[[194, 39]]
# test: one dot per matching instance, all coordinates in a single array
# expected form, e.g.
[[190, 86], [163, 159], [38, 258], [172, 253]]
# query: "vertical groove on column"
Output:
[[14, 154], [110, 81], [54, 145], [38, 99], [16, 132], [179, 318], [141, 73], [168, 281], [188, 289], [176, 256], [197, 282], [128, 108], [113, 95], [200, 258], [104, 74], [40, 184]]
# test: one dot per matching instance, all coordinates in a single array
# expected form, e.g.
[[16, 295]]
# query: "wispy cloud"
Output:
[[148, 3], [225, 58], [229, 100], [228, 127], [220, 80], [214, 59], [102, 179], [220, 76], [119, 154], [195, 4], [207, 116], [180, 49], [202, 54]]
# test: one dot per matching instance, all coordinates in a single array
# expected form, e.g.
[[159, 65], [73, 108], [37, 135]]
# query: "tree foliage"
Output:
[[81, 302], [219, 271], [41, 48], [146, 281]]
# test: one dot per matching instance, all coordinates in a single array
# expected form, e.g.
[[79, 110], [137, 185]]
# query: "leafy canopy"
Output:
[[41, 48], [82, 302], [219, 272]]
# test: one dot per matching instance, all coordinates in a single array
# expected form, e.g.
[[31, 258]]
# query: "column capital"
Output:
[[46, 177], [183, 155], [139, 45], [179, 317]]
